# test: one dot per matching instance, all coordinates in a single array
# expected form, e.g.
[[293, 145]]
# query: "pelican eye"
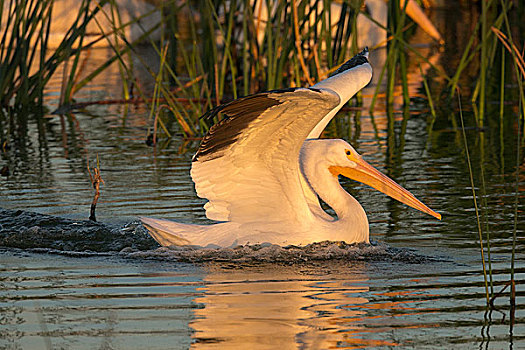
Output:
[[350, 155]]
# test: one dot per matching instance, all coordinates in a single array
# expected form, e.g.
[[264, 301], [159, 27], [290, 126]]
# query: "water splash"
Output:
[[52, 234], [269, 253], [27, 230]]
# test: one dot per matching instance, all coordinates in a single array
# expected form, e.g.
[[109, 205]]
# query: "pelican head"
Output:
[[338, 157]]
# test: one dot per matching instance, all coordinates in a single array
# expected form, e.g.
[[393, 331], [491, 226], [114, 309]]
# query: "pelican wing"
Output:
[[247, 165]]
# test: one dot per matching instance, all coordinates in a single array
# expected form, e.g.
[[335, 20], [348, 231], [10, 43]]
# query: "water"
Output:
[[68, 284], [119, 301]]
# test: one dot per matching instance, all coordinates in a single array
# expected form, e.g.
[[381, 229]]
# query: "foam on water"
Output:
[[51, 234], [270, 253]]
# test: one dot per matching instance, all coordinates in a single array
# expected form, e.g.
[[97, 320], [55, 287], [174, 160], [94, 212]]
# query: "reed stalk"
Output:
[[472, 49], [430, 105], [484, 66], [484, 207], [70, 75], [515, 223], [474, 198], [519, 68], [393, 52], [117, 57], [252, 55], [502, 110], [118, 29]]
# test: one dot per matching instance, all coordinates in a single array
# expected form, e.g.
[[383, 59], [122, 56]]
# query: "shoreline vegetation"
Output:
[[213, 51], [210, 52]]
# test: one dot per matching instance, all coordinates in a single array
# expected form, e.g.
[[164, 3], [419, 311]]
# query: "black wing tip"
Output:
[[210, 114], [238, 115], [357, 60]]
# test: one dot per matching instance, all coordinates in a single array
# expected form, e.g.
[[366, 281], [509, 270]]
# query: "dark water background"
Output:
[[68, 284]]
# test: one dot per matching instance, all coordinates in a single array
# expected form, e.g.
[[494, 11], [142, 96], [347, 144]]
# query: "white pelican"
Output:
[[262, 170]]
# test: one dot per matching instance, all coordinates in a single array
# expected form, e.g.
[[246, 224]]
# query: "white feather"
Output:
[[261, 169]]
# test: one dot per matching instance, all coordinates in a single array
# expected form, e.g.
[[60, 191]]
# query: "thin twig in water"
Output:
[[96, 179]]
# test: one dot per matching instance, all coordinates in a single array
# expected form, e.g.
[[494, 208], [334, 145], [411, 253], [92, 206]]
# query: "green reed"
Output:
[[482, 45], [491, 42], [474, 198], [215, 54], [397, 52], [483, 63], [223, 55], [518, 60], [26, 63], [114, 37], [119, 50], [396, 66], [238, 52], [518, 63]]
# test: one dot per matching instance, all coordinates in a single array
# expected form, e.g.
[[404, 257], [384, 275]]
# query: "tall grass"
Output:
[[518, 61], [491, 42], [26, 63], [224, 49], [474, 198], [233, 48], [482, 49], [219, 51]]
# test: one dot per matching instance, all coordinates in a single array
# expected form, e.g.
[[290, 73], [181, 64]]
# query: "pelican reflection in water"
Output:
[[263, 169], [286, 307]]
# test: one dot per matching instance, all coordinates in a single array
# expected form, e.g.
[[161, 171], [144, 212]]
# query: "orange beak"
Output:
[[372, 177]]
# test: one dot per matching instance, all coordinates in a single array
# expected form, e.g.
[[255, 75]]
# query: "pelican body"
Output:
[[263, 169]]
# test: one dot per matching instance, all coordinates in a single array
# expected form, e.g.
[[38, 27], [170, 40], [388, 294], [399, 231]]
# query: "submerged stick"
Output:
[[96, 179]]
